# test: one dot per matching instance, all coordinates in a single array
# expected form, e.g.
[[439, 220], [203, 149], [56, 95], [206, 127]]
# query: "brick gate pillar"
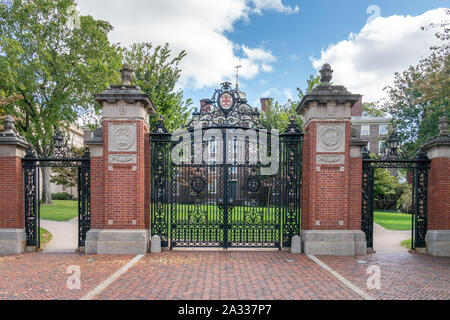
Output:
[[438, 235], [118, 171], [12, 216], [331, 190]]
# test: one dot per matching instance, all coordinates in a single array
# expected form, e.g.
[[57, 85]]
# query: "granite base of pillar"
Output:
[[12, 241], [116, 242], [334, 242], [438, 243]]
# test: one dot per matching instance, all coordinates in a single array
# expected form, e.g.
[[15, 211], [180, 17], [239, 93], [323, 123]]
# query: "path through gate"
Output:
[[418, 168], [57, 155], [211, 186]]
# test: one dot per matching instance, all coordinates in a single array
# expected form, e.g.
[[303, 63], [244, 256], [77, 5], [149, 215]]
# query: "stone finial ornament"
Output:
[[443, 127], [9, 125], [326, 74], [127, 74]]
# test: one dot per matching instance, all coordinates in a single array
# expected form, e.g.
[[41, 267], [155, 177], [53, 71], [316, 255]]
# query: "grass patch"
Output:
[[61, 210], [407, 244], [45, 236], [393, 221]]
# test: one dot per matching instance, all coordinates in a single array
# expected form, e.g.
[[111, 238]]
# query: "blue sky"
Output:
[[275, 40]]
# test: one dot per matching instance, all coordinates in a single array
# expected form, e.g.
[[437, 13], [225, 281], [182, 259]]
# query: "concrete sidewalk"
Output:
[[385, 240], [65, 235]]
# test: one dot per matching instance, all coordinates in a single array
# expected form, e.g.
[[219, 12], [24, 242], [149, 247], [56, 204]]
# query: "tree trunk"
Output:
[[46, 192]]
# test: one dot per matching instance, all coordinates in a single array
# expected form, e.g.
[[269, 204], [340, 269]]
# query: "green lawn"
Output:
[[45, 236], [61, 210], [392, 220]]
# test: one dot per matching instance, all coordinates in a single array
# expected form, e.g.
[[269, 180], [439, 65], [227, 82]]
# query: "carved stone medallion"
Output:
[[122, 137], [330, 138]]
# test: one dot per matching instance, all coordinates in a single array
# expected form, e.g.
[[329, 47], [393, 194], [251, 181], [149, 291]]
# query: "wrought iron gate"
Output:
[[58, 154], [209, 189], [392, 160]]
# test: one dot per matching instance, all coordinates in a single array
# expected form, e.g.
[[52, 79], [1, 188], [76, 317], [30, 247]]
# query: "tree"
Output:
[[55, 67], [370, 109], [420, 95], [277, 115], [67, 176], [387, 189], [157, 73]]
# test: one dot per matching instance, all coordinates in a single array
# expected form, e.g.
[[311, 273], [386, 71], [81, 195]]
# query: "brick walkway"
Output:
[[219, 275]]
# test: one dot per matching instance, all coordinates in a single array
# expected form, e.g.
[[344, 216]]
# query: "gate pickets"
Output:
[[225, 202], [58, 155]]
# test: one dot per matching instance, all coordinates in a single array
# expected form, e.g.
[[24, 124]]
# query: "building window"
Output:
[[383, 129], [365, 130], [212, 187], [380, 145], [368, 147]]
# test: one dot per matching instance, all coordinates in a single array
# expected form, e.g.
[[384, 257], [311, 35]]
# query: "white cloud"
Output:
[[276, 5], [366, 62], [197, 26]]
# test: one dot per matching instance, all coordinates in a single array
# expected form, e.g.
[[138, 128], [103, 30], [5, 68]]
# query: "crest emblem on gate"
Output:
[[226, 101]]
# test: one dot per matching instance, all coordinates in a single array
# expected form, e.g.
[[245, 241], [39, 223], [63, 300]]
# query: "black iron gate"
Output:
[[58, 154], [418, 168], [210, 187]]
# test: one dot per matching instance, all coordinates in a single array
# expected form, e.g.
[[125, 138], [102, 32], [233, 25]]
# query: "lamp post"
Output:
[[392, 143], [58, 139]]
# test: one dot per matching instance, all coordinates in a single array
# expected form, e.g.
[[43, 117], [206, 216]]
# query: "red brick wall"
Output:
[[12, 214], [439, 195], [328, 194], [147, 182], [120, 194]]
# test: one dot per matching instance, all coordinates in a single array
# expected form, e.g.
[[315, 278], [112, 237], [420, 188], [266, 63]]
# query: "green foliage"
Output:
[[62, 196], [370, 109], [55, 68], [404, 203], [386, 185], [157, 73], [277, 115], [67, 176], [420, 95]]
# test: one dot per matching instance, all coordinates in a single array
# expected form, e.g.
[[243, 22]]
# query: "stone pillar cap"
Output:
[[443, 138], [126, 91], [327, 92]]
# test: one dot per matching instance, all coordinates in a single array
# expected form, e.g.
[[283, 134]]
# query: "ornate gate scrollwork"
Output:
[[228, 203]]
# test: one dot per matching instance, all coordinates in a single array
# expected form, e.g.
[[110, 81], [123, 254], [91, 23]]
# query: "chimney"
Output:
[[264, 103], [204, 105], [356, 111]]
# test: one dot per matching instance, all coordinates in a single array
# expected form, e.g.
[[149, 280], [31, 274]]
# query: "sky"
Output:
[[279, 43]]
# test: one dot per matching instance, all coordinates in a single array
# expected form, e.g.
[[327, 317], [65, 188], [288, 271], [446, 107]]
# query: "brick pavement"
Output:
[[404, 276], [223, 275]]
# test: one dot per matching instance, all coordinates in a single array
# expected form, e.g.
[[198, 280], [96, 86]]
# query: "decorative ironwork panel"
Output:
[[160, 169], [84, 199], [225, 199], [291, 160], [367, 203], [31, 203]]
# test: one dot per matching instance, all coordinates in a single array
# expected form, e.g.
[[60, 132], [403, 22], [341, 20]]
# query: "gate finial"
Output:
[[127, 73]]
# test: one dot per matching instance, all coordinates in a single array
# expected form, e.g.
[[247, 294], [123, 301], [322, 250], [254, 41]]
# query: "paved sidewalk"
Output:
[[385, 240], [222, 275], [65, 235]]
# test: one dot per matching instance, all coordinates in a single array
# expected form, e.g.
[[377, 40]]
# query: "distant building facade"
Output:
[[373, 129]]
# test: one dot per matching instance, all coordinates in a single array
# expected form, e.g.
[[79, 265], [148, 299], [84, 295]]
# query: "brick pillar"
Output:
[[331, 205], [12, 217], [438, 235], [118, 171]]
